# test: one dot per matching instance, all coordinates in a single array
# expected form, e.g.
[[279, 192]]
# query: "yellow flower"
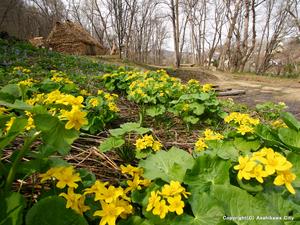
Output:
[[279, 124], [108, 97], [200, 145], [245, 166], [160, 209], [76, 118], [30, 122], [57, 79], [276, 162], [97, 187], [52, 172], [109, 194], [9, 124], [285, 178], [100, 92], [109, 213], [258, 173], [53, 97], [193, 81], [128, 209], [185, 107], [140, 92], [140, 144], [29, 82], [207, 87], [148, 139], [243, 129], [174, 188], [241, 119], [176, 204], [70, 100], [253, 121], [94, 102], [131, 170], [156, 146], [145, 142], [211, 135], [145, 182], [75, 201], [67, 177], [153, 200], [262, 153], [113, 107], [134, 184]]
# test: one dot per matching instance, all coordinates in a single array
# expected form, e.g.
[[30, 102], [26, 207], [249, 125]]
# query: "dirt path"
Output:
[[262, 89]]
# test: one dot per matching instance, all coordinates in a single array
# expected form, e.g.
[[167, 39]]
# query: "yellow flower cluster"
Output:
[[76, 117], [195, 85], [30, 122], [84, 92], [185, 107], [56, 97], [209, 135], [114, 202], [245, 122], [60, 77], [67, 177], [264, 163], [136, 182], [207, 87], [169, 199], [94, 102], [21, 69], [147, 141], [113, 107], [37, 98], [193, 82], [27, 83], [111, 101], [278, 124], [150, 87]]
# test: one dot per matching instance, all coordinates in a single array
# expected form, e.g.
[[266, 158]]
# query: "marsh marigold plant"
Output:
[[265, 163]]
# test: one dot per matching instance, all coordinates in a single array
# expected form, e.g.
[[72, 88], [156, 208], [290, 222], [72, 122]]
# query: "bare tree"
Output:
[[173, 6], [279, 30], [218, 23], [233, 16]]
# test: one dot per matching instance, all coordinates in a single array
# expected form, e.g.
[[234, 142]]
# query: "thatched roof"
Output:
[[70, 32]]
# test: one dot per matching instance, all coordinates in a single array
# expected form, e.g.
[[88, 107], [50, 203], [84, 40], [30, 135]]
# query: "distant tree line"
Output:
[[235, 35]]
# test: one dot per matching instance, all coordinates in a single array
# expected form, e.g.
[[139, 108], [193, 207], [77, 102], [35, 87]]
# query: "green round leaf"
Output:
[[52, 211]]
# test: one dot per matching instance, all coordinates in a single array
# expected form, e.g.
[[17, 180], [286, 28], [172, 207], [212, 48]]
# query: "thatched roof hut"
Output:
[[71, 38]]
